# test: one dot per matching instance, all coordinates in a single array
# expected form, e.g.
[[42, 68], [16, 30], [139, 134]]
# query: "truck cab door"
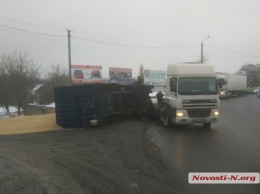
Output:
[[173, 85]]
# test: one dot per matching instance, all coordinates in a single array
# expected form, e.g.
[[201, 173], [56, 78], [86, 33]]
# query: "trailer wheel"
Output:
[[207, 125]]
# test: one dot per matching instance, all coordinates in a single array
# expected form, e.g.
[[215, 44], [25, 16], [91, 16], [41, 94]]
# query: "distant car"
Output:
[[256, 90], [78, 74]]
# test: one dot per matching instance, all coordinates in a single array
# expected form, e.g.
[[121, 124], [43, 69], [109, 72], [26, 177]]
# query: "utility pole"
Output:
[[69, 52], [201, 55]]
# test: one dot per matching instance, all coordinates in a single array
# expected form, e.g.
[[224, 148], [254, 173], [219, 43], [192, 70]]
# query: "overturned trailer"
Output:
[[80, 106]]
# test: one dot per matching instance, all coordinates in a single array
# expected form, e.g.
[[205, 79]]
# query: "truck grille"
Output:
[[199, 103], [199, 113]]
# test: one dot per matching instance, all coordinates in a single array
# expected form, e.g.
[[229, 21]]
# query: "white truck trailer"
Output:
[[231, 84], [191, 95]]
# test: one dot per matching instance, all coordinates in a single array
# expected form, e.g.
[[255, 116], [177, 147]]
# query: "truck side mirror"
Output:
[[221, 82]]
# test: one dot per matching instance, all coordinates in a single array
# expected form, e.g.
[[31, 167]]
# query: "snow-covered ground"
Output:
[[13, 110], [51, 105]]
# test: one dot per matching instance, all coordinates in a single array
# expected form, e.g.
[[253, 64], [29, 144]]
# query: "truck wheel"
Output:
[[207, 125]]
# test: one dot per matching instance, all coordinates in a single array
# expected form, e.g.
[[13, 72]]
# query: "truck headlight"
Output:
[[214, 112], [222, 93], [179, 114]]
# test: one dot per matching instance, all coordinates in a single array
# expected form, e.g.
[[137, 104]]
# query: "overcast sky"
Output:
[[233, 27]]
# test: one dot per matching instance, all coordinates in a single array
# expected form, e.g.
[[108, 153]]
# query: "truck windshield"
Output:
[[197, 86]]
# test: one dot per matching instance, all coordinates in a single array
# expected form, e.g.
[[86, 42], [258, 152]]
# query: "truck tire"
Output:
[[207, 125]]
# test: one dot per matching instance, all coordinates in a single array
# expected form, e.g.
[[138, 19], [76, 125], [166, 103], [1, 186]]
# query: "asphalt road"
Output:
[[232, 145]]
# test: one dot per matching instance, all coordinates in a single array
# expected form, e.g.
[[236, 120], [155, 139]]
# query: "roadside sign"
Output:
[[122, 76], [154, 77], [86, 74]]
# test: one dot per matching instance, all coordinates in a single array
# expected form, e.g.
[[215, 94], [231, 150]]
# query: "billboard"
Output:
[[154, 77], [122, 76], [86, 74]]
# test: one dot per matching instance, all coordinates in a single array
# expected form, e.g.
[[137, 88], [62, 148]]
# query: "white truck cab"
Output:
[[191, 95]]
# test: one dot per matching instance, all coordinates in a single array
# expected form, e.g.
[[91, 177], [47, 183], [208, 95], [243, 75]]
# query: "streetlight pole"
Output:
[[201, 57], [69, 53]]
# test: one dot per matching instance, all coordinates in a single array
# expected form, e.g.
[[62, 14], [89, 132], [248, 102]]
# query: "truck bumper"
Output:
[[185, 119]]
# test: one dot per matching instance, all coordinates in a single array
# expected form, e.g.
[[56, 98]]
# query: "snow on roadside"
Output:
[[51, 105], [13, 111]]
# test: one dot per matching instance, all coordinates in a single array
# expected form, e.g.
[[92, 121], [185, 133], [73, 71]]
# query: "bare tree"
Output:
[[252, 72], [5, 90], [57, 76], [19, 74]]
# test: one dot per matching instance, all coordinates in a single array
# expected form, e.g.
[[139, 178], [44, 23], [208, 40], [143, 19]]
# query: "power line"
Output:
[[22, 22], [36, 36], [31, 31], [115, 44], [236, 52], [135, 46]]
